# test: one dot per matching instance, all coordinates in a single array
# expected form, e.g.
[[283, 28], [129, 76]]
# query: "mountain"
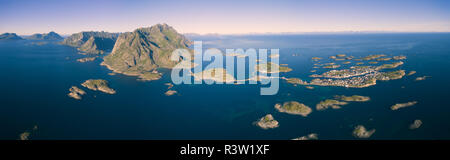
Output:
[[92, 42], [145, 49], [97, 45], [10, 36], [46, 36]]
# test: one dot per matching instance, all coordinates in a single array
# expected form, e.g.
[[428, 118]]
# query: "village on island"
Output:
[[350, 76], [131, 58], [381, 68]]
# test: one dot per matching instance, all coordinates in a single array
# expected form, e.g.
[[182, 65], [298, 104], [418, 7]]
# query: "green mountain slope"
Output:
[[145, 49], [92, 42]]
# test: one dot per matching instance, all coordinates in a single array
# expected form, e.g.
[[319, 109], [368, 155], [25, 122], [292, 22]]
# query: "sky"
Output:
[[26, 17]]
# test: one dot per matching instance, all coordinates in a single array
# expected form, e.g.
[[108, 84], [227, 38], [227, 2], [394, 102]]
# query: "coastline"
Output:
[[141, 77]]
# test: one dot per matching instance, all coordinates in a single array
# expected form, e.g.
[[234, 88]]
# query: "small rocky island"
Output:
[[293, 107], [422, 78], [403, 105], [295, 81], [98, 84], [312, 136], [149, 76], [169, 85], [411, 73], [354, 98], [335, 104], [309, 87], [389, 65], [346, 62], [87, 59], [341, 55], [267, 122], [271, 68], [361, 132], [416, 124], [373, 57], [399, 57], [384, 59], [170, 92], [332, 66], [26, 135], [76, 92], [219, 75]]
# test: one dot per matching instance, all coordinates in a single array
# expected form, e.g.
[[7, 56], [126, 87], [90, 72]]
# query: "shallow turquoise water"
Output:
[[36, 78]]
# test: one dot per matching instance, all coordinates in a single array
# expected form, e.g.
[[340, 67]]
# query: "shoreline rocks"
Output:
[[293, 107], [411, 73], [422, 78], [312, 136], [267, 122], [353, 98], [98, 84], [170, 92], [416, 124], [330, 103], [403, 105], [361, 132], [76, 92], [87, 59]]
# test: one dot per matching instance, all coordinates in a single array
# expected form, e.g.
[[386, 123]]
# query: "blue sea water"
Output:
[[36, 79]]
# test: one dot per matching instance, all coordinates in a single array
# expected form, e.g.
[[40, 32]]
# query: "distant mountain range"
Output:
[[46, 36], [92, 42], [10, 36], [136, 53]]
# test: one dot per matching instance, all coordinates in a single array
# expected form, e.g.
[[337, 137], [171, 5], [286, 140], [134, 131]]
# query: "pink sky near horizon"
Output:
[[225, 17]]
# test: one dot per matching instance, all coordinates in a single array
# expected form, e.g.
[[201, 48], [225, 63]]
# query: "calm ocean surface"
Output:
[[36, 79]]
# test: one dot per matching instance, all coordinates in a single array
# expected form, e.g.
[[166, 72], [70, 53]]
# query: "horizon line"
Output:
[[259, 33], [312, 32]]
